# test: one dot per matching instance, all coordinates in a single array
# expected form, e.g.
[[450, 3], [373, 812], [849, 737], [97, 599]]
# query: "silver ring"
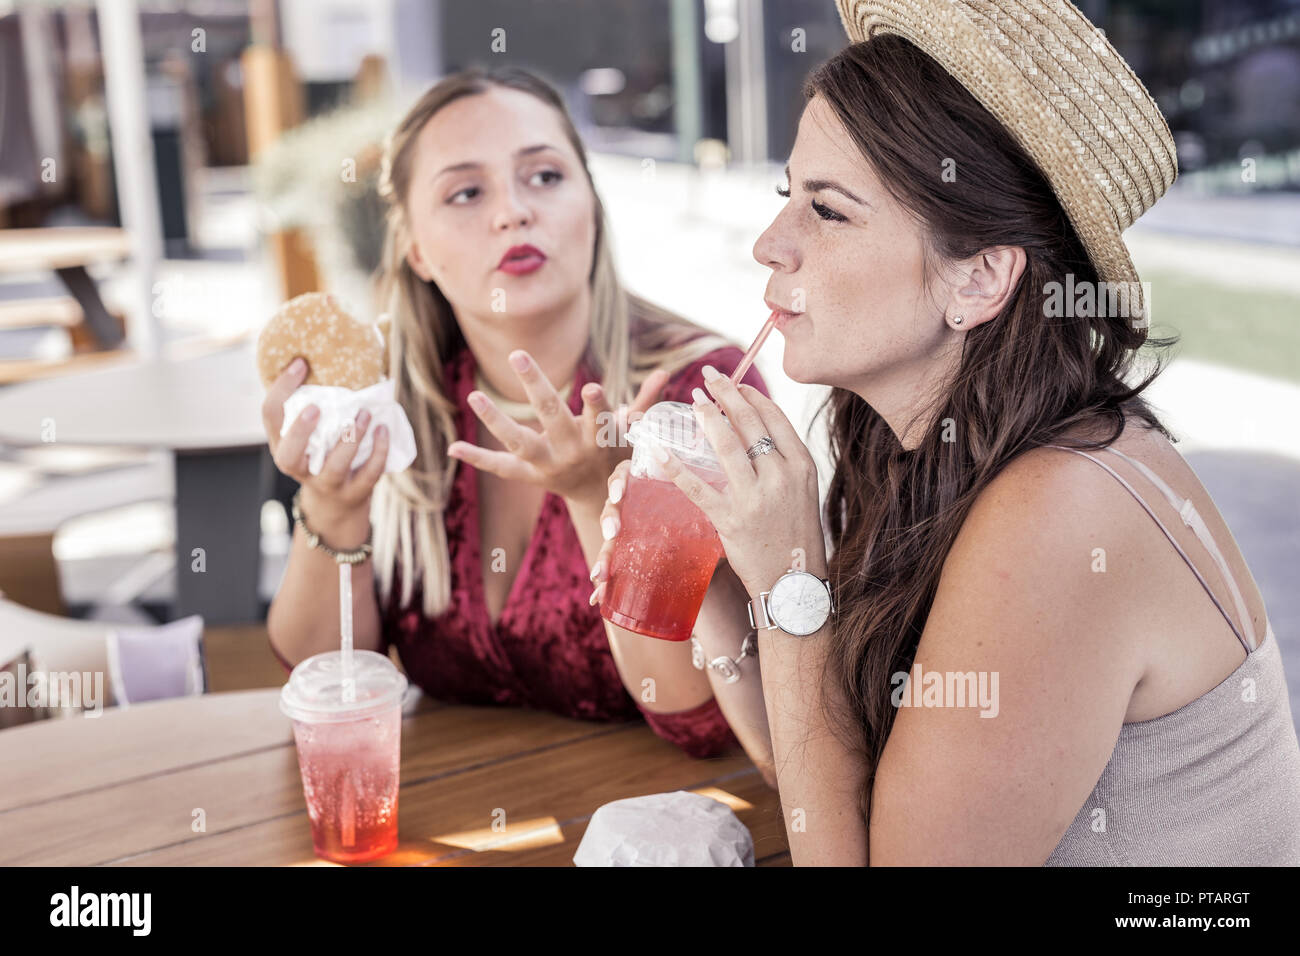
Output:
[[764, 446]]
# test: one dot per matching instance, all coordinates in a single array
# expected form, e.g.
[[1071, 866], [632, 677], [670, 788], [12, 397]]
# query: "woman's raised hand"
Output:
[[573, 455], [610, 523], [337, 493]]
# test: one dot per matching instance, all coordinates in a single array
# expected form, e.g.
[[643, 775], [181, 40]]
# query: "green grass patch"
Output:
[[1253, 331]]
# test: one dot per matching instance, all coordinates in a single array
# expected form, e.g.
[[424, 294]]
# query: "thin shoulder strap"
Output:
[[1192, 518]]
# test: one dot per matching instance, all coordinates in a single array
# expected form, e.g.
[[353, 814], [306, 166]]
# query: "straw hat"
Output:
[[1058, 86]]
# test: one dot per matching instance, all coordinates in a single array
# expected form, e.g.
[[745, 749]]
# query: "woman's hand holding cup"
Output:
[[767, 517], [610, 522]]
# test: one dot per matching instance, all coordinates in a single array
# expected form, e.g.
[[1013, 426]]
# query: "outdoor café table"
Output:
[[66, 252], [127, 787], [206, 409]]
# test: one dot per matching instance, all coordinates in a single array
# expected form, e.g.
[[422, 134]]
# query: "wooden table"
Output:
[[207, 410], [66, 252], [124, 788]]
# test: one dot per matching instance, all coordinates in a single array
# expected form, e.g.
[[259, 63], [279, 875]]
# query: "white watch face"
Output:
[[799, 603]]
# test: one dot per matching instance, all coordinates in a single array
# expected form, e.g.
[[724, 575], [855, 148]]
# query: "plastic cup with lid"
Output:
[[349, 751], [667, 549], [673, 425]]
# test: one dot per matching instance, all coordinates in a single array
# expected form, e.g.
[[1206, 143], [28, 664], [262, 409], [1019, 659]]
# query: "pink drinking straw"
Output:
[[749, 357]]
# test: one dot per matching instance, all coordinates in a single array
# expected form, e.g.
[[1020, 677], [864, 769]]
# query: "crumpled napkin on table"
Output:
[[338, 408], [665, 829]]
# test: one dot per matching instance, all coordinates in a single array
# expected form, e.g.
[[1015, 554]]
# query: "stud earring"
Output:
[[958, 319]]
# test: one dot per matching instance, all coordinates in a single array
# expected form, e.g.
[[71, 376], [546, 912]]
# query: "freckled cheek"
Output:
[[840, 278], [894, 273], [862, 294]]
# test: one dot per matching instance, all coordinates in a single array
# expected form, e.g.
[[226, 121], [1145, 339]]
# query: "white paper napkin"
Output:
[[338, 409], [665, 829]]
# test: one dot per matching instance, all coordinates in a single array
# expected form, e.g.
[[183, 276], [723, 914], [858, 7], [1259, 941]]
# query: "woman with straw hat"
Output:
[[1031, 638]]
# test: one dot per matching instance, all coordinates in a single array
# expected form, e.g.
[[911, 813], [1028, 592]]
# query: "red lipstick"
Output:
[[521, 260]]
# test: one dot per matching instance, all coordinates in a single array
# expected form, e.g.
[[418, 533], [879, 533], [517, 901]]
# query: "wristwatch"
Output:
[[799, 604]]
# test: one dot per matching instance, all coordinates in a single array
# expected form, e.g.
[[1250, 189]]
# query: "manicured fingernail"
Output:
[[299, 366], [592, 600], [518, 361], [477, 402], [595, 570], [608, 527], [699, 396], [710, 373], [363, 417], [311, 413], [616, 490], [381, 432]]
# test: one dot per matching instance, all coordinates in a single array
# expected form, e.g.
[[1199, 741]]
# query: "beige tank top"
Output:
[[1214, 783]]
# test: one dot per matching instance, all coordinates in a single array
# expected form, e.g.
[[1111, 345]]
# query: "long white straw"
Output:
[[345, 626]]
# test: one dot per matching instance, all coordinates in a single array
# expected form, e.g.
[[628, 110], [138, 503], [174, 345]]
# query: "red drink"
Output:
[[349, 751], [350, 778], [662, 561]]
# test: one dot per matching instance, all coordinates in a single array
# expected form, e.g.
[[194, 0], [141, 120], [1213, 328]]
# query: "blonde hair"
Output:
[[629, 339]]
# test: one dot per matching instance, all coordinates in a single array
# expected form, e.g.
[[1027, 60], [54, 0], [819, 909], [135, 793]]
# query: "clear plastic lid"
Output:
[[673, 425], [315, 690]]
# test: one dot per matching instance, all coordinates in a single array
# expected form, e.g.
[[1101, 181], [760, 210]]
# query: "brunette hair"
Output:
[[1023, 380]]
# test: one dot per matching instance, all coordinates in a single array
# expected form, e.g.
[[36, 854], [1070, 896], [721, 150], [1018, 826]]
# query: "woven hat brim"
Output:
[[942, 29]]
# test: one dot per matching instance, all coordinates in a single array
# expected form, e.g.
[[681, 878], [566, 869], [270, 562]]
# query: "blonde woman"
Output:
[[518, 358]]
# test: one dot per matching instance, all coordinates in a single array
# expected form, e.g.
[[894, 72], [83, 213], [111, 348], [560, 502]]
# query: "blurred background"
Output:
[[172, 171]]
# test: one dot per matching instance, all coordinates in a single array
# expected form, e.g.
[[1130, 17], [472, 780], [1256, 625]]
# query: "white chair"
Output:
[[57, 644], [66, 646]]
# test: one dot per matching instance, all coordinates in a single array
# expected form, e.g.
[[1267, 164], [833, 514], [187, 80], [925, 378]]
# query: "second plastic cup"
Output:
[[349, 753], [666, 550]]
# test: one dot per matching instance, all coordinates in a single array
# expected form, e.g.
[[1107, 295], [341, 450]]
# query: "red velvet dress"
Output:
[[548, 649]]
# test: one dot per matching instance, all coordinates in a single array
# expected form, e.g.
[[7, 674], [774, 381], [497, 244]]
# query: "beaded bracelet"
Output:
[[355, 556]]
